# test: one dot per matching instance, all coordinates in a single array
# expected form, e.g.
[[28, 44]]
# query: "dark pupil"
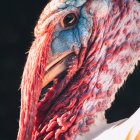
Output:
[[70, 20]]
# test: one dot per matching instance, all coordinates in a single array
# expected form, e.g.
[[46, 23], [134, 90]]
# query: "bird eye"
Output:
[[70, 20]]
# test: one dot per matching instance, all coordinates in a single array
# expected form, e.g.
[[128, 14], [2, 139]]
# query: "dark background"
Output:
[[17, 21]]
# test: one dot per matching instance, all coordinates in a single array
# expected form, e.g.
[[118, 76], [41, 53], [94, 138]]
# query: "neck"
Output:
[[110, 60]]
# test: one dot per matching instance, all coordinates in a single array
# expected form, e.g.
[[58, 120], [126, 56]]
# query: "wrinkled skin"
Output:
[[103, 46]]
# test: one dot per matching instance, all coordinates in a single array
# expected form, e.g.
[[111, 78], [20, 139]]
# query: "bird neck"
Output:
[[114, 51], [110, 59]]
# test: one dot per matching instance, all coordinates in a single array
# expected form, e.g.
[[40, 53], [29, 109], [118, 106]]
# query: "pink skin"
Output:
[[100, 69]]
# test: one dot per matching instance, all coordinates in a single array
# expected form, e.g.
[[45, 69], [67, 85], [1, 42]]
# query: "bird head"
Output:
[[82, 53]]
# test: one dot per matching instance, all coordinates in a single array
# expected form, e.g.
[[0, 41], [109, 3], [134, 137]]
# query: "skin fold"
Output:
[[88, 61]]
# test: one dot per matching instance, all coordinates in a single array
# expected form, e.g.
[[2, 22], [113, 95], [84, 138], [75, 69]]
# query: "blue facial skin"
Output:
[[65, 39]]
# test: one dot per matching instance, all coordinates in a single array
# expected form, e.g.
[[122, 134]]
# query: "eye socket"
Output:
[[70, 20]]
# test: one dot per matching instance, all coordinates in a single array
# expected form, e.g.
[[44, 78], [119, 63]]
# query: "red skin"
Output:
[[59, 114]]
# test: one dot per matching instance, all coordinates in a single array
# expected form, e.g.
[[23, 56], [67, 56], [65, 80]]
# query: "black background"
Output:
[[17, 21]]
